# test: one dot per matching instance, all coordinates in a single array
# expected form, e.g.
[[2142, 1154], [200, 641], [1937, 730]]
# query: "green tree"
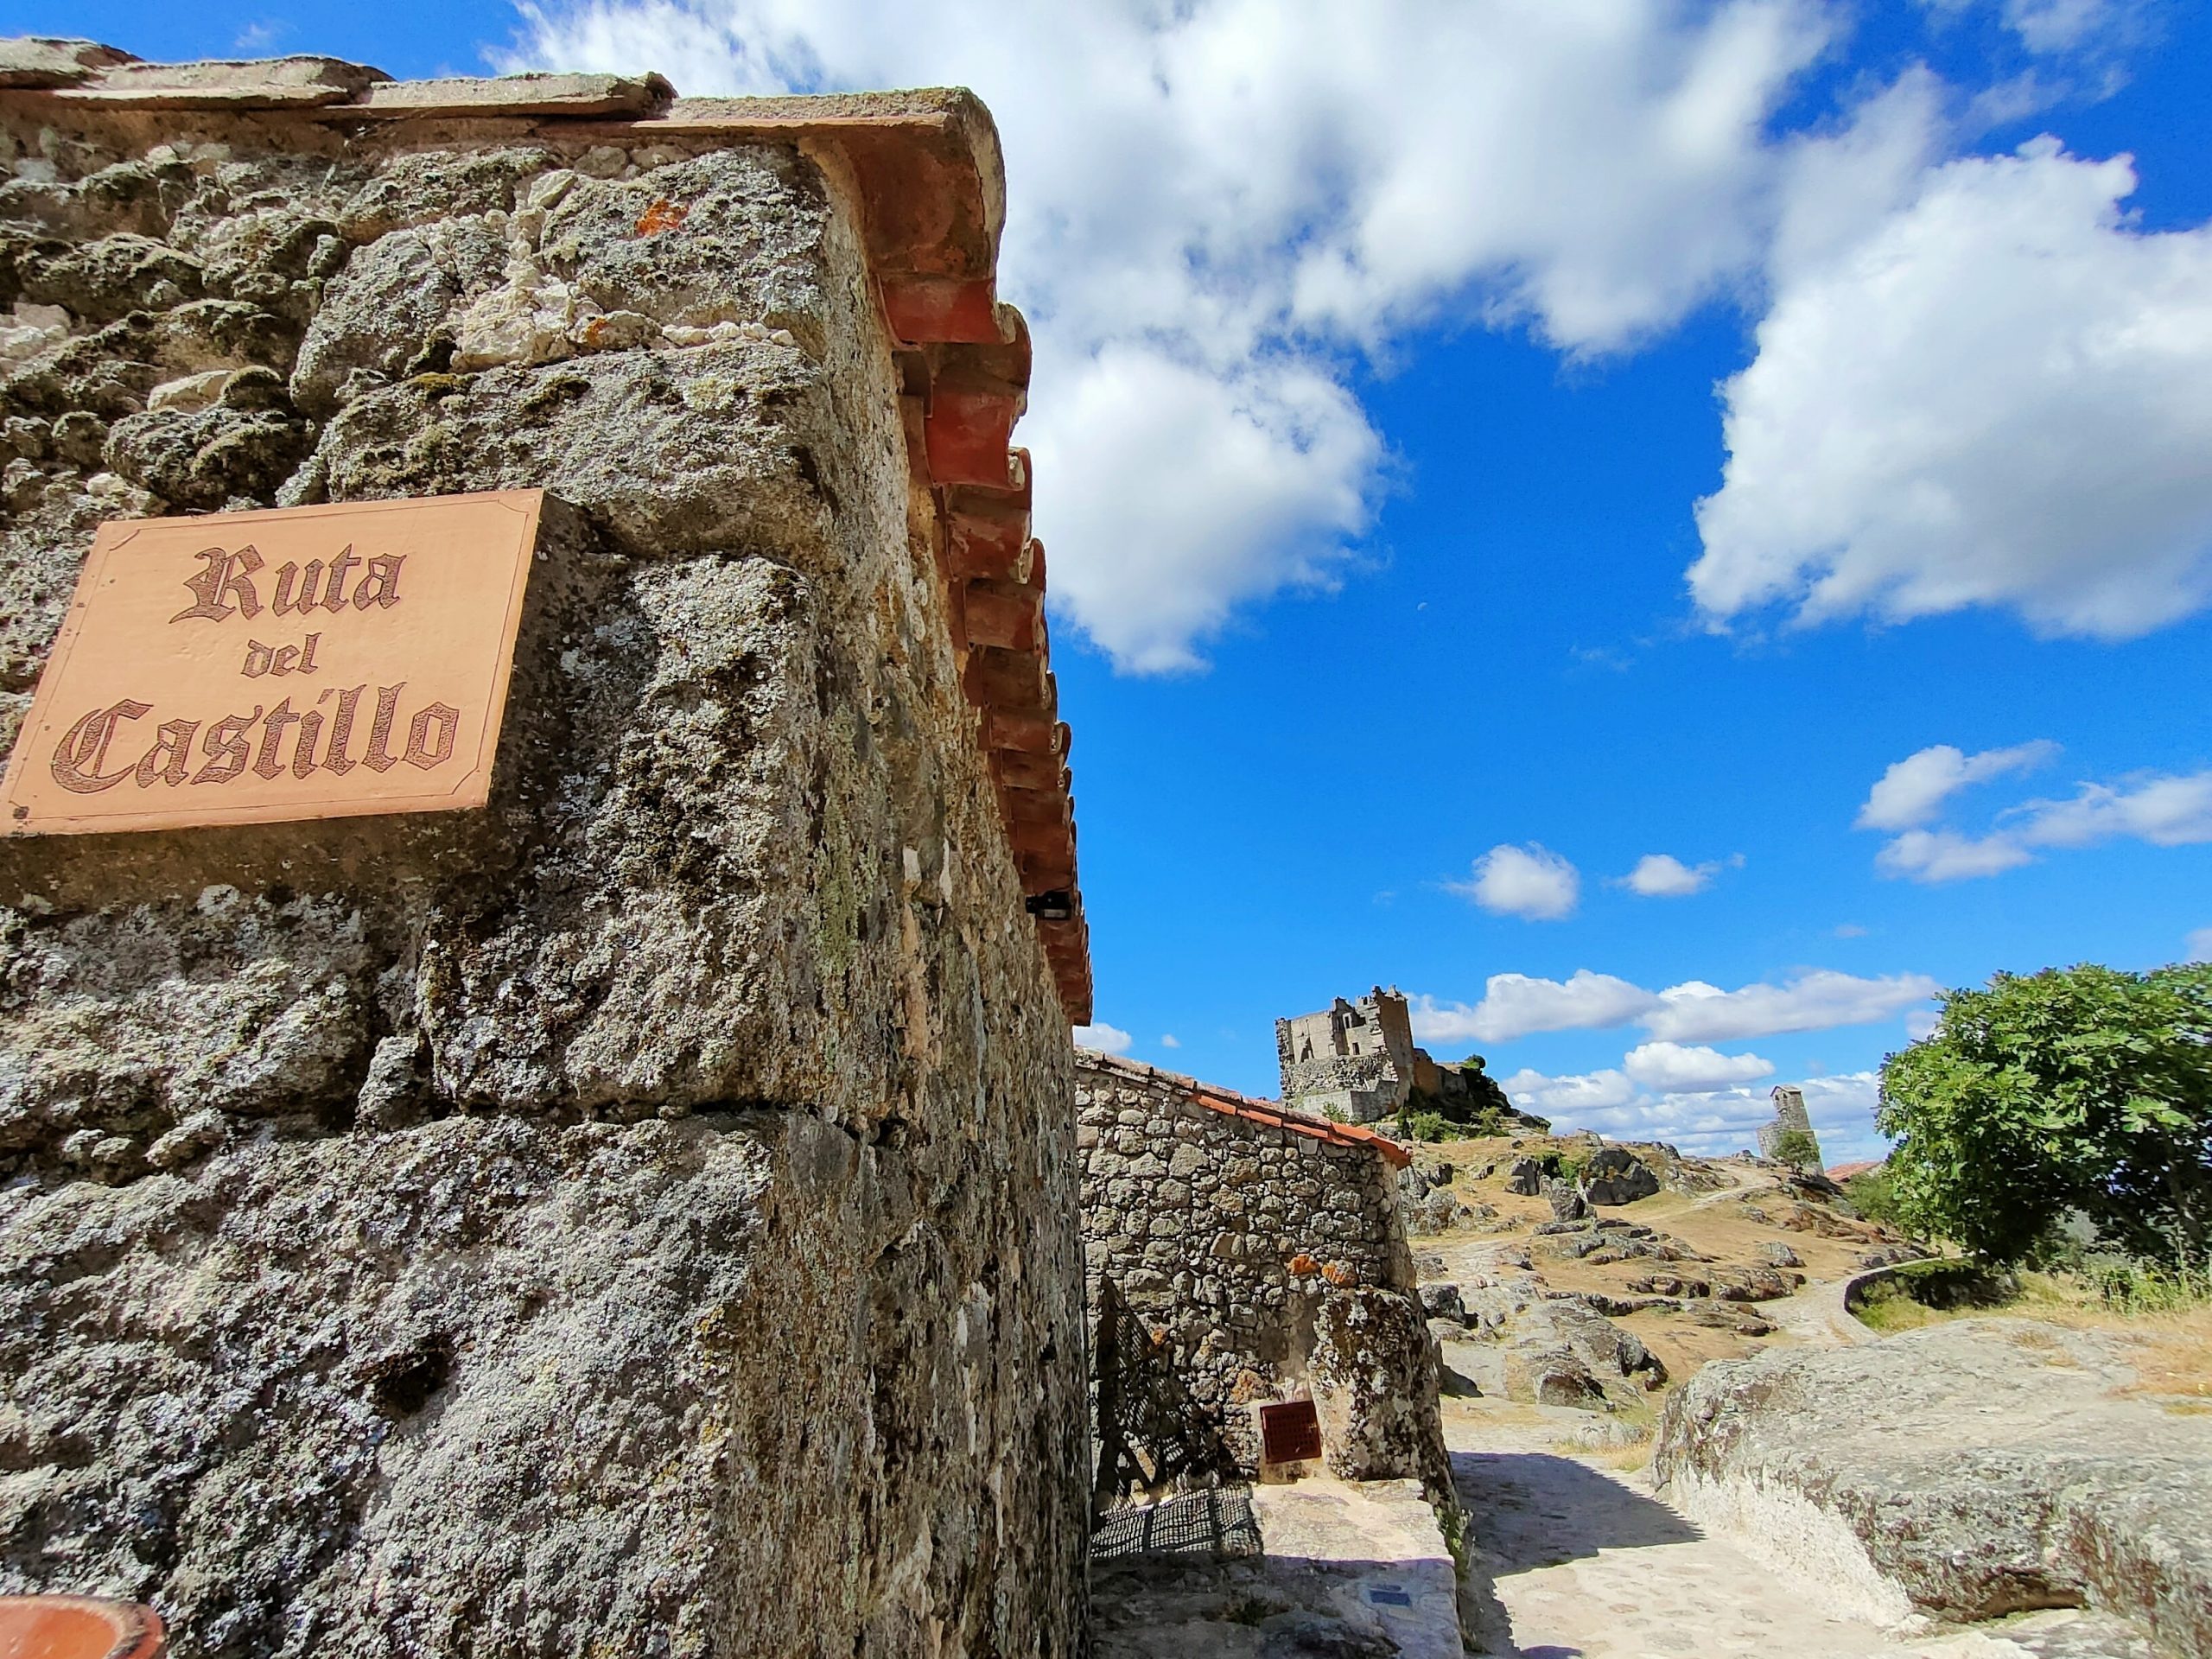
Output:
[[1796, 1147], [1873, 1194], [2078, 1088]]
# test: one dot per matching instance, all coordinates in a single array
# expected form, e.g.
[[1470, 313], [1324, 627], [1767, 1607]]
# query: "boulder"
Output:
[[1559, 1351], [1566, 1204], [1443, 1302], [1616, 1175], [1755, 1284], [1967, 1471], [1427, 1204], [1376, 1375], [1525, 1176]]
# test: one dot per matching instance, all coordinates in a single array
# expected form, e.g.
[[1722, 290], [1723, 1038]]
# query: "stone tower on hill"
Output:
[[1789, 1115], [1352, 1060]]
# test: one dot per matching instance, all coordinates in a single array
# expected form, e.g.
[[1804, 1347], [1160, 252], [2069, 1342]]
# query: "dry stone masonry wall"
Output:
[[1264, 1254], [637, 1217]]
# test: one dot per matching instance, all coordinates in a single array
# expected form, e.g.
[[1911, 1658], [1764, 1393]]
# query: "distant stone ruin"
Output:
[[1356, 1063], [1790, 1120], [1238, 1254], [637, 1216], [1352, 1060]]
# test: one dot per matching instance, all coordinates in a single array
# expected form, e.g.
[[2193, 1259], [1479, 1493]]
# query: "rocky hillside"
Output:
[[1572, 1271]]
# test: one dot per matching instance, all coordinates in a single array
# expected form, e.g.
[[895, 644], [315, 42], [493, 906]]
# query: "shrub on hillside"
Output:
[[1873, 1194], [1796, 1147], [2082, 1089]]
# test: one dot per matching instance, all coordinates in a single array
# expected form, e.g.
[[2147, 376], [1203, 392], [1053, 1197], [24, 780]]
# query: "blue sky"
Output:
[[1381, 372]]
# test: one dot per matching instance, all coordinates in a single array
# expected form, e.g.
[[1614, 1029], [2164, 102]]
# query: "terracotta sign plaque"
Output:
[[254, 667]]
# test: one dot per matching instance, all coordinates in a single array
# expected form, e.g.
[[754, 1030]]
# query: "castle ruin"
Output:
[[1352, 1060]]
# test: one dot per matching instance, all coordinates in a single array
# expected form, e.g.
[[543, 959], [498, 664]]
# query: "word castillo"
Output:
[[329, 733]]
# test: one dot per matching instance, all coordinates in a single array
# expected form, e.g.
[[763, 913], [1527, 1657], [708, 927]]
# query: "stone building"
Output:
[[639, 1214], [1239, 1254], [1790, 1115], [1356, 1063], [1355, 1060]]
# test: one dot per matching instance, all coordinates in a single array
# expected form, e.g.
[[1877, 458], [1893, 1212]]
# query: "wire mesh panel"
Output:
[[1214, 1522], [1153, 1438]]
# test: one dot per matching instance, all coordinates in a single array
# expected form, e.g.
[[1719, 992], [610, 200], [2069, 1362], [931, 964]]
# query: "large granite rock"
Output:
[[1616, 1175], [1549, 1348], [1375, 1380], [1966, 1471]]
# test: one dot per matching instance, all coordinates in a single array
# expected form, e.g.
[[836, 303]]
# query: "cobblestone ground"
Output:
[[1589, 1564]]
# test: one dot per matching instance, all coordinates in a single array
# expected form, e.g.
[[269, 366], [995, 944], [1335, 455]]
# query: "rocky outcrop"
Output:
[[1375, 1377], [1616, 1175], [1966, 1471], [1426, 1203], [1547, 1348]]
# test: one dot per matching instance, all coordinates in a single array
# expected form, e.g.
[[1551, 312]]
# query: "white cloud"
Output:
[[1673, 1069], [1532, 882], [2162, 809], [2000, 394], [1518, 1005], [1107, 1039], [1697, 1012], [1912, 790], [1944, 855], [1171, 1040], [1921, 1022], [1709, 1124], [1661, 875], [1214, 206], [1591, 1092], [1849, 930], [2199, 946]]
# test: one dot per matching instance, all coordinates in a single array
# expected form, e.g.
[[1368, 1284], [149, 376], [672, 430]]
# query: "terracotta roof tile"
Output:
[[1271, 1113]]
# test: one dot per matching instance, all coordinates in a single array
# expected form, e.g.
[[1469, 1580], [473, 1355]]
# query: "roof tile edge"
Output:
[[1396, 1153]]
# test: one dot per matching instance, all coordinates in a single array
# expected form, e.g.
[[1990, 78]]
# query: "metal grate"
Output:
[[1290, 1432], [1215, 1522]]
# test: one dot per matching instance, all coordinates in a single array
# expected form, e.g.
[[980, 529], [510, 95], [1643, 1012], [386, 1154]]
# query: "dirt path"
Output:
[[1590, 1564]]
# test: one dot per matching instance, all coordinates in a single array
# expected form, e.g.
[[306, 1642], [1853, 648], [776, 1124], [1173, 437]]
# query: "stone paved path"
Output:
[[1589, 1564]]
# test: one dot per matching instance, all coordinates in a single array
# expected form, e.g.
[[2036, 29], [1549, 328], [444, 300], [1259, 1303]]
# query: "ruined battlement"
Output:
[[1356, 1059], [1790, 1115]]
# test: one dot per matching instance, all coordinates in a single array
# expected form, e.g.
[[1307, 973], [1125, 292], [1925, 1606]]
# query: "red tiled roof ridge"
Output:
[[1844, 1172], [930, 180], [1232, 1105]]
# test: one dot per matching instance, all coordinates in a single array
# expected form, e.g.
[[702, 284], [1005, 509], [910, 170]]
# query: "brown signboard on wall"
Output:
[[257, 667], [1290, 1432]]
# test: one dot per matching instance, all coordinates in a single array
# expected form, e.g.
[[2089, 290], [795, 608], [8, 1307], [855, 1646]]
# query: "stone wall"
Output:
[[638, 1217], [1350, 1060], [1263, 1252], [1357, 1088]]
